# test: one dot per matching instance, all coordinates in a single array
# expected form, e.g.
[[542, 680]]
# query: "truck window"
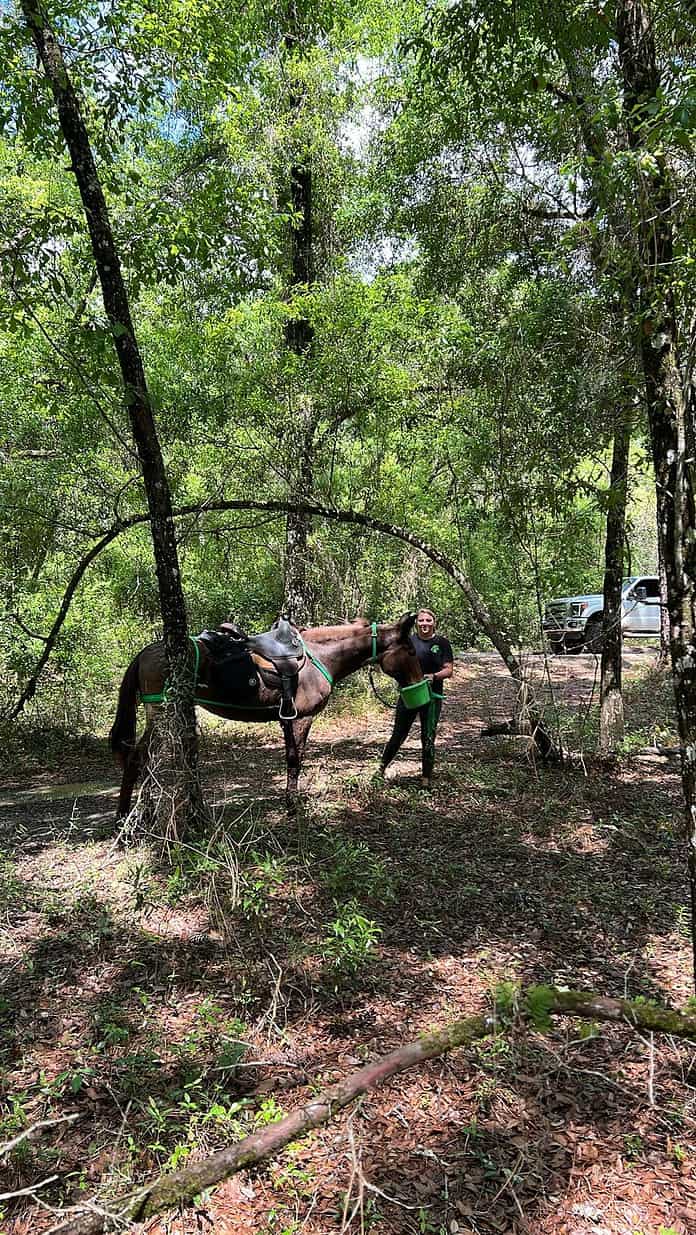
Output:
[[652, 588]]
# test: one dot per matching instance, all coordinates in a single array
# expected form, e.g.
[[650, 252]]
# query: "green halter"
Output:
[[317, 663]]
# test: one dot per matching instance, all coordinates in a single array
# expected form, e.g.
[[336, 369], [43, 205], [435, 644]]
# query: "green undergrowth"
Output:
[[162, 1058], [649, 713], [650, 709], [311, 913], [29, 746]]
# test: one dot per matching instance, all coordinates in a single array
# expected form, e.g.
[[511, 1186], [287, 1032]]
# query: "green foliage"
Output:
[[469, 350], [633, 1146], [506, 1000], [352, 868], [661, 1230], [258, 881], [349, 941]]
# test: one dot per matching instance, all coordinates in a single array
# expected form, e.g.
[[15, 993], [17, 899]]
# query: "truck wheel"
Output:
[[593, 635], [556, 647]]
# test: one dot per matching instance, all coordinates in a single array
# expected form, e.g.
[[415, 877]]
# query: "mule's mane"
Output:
[[329, 634]]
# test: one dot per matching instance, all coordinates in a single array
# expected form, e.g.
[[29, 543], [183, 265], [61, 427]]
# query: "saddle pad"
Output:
[[233, 679]]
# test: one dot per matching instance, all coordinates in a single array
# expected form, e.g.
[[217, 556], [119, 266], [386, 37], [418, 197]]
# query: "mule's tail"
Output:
[[122, 735]]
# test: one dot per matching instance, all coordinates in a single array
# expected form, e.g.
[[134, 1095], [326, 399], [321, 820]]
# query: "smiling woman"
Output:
[[435, 658]]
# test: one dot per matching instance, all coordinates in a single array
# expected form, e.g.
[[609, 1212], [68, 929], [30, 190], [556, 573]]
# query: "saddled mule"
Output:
[[331, 653]]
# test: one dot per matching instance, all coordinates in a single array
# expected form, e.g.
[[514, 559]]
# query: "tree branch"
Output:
[[43, 1123], [487, 622]]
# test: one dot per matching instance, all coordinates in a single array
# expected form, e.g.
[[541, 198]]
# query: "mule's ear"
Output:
[[406, 625]]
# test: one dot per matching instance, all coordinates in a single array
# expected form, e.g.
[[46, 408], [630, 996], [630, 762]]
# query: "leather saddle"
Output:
[[278, 655]]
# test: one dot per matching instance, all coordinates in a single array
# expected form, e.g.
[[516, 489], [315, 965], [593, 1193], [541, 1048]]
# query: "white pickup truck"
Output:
[[574, 623]]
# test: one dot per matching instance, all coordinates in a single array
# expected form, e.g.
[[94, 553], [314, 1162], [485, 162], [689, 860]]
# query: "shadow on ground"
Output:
[[379, 911]]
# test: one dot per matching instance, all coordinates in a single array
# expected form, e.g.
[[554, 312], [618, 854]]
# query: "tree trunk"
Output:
[[611, 710], [668, 413], [298, 331], [138, 405], [299, 335], [297, 599], [663, 655], [297, 593]]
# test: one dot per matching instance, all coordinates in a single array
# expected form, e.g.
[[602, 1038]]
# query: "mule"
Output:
[[331, 654]]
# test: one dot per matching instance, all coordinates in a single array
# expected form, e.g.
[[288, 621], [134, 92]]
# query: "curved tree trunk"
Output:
[[484, 617]]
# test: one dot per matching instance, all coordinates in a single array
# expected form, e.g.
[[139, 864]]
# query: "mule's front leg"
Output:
[[295, 734]]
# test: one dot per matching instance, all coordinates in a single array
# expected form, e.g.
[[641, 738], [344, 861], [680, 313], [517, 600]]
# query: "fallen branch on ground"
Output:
[[30, 1191], [42, 1123], [534, 733], [533, 1007]]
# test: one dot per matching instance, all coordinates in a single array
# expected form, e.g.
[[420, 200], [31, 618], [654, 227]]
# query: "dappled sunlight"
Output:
[[189, 1003]]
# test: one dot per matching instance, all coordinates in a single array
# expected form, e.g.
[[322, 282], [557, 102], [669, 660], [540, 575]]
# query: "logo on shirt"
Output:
[[435, 647]]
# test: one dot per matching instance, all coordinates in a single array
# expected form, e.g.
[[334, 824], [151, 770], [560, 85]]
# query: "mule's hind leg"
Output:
[[135, 762], [295, 734], [131, 768]]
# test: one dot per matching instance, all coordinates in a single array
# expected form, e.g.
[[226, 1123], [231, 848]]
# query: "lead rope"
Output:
[[385, 702], [372, 661], [430, 723]]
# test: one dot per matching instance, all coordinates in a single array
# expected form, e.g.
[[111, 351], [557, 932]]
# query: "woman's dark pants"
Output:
[[403, 721]]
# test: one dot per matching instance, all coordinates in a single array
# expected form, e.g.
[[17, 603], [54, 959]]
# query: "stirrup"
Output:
[[280, 711]]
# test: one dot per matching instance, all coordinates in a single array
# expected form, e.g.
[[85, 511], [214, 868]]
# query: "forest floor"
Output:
[[172, 1008]]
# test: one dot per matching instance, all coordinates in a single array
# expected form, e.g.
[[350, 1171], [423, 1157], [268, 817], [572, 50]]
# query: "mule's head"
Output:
[[395, 652]]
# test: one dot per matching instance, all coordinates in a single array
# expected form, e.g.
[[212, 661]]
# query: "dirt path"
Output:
[[379, 912]]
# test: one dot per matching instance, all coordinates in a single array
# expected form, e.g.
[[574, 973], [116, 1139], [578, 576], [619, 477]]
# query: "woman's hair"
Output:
[[423, 610]]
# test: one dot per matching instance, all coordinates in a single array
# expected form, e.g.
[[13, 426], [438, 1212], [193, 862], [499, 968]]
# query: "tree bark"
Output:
[[611, 709], [297, 593], [137, 401], [532, 1008], [663, 655], [299, 336], [670, 417]]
